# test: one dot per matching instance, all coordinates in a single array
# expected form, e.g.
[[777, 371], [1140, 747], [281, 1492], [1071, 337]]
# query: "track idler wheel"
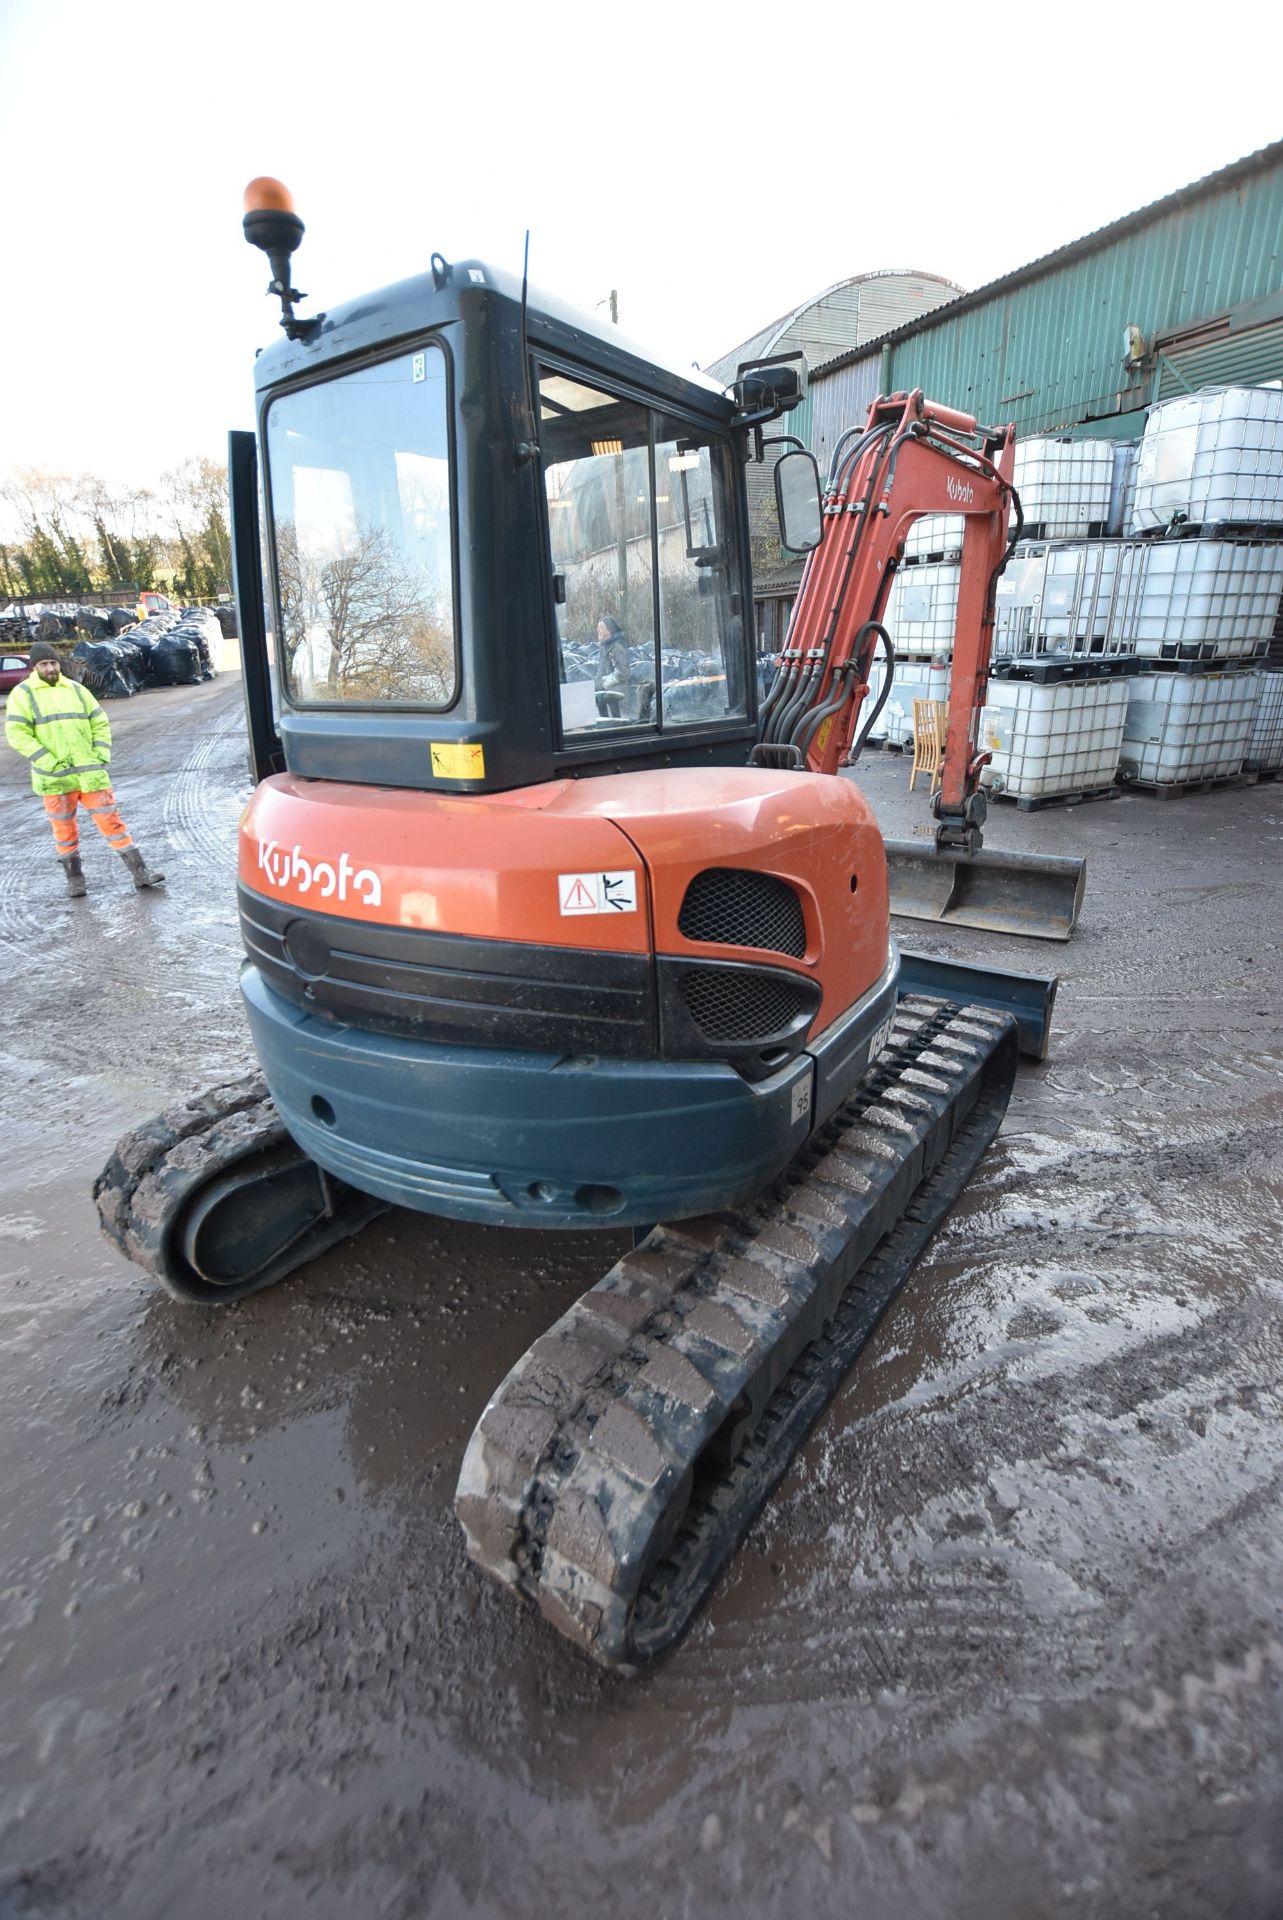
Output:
[[252, 1227]]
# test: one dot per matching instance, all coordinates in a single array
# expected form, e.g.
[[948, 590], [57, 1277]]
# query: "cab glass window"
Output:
[[643, 550], [700, 617], [359, 477]]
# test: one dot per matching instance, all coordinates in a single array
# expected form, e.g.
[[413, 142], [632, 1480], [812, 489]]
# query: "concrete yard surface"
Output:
[[1007, 1641]]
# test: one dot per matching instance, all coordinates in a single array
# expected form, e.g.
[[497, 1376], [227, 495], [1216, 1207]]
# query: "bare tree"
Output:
[[385, 634]]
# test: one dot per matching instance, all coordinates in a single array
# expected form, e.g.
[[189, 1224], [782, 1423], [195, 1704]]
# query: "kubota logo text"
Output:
[[331, 882], [959, 490]]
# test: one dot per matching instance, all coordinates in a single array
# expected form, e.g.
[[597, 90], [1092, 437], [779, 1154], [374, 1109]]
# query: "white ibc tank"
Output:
[[1188, 726], [1210, 457], [1122, 491], [915, 679], [1052, 740], [1064, 487], [1056, 599], [922, 607], [1265, 743], [1197, 599], [936, 536]]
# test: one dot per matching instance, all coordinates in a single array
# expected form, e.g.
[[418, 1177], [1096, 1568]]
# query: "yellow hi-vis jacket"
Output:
[[62, 731]]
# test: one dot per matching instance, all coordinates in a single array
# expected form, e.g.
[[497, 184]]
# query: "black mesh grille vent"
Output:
[[734, 907], [728, 1005]]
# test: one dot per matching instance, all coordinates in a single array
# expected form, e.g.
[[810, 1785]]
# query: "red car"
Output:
[[13, 667]]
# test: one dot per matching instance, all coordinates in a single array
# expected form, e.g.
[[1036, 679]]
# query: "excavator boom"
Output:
[[915, 458]]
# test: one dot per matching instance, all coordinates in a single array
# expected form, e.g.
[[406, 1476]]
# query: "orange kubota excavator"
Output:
[[546, 923]]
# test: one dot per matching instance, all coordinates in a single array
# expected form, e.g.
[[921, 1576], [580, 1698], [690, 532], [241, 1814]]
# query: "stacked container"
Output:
[[1210, 459], [1183, 595], [1169, 600], [1196, 599], [1157, 565], [1064, 487], [1053, 739], [1265, 742], [922, 608], [1056, 600], [1184, 727]]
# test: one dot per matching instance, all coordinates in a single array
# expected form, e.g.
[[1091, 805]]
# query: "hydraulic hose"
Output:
[[888, 650]]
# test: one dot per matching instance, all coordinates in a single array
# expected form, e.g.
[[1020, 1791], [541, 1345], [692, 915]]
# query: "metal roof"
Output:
[[767, 338], [1100, 237]]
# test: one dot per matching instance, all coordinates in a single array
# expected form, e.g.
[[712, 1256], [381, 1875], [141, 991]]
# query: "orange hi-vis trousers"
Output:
[[61, 808]]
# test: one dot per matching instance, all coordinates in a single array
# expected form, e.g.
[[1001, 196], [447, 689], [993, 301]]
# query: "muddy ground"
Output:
[[1006, 1643]]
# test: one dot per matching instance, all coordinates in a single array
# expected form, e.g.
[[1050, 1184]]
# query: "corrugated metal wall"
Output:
[[1048, 352], [1232, 360], [838, 401]]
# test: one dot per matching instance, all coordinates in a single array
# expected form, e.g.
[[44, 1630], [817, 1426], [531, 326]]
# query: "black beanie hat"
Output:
[[42, 651]]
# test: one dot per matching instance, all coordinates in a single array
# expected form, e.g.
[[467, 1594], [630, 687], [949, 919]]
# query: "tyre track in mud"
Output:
[[200, 813], [1005, 1642], [1048, 1457]]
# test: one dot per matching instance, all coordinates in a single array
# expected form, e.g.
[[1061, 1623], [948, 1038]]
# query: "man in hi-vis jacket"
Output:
[[59, 728]]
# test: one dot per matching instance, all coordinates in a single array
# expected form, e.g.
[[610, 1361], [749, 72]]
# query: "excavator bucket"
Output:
[[1035, 894]]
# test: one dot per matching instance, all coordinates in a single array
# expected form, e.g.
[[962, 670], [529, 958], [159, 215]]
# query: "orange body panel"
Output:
[[503, 866]]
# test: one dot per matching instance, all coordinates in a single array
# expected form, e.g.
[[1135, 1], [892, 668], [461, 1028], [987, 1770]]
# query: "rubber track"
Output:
[[160, 1166], [621, 1462], [159, 1169]]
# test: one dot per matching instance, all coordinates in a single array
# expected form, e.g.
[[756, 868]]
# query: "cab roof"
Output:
[[409, 308]]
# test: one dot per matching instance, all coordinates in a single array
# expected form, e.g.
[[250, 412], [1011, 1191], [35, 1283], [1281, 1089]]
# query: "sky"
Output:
[[715, 165]]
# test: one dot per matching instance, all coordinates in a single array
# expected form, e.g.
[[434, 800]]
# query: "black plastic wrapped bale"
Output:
[[175, 661], [106, 669], [200, 626]]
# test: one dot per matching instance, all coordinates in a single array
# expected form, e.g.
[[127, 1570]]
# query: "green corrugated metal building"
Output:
[[1198, 274]]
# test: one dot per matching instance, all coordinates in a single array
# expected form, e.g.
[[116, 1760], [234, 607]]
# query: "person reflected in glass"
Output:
[[614, 673]]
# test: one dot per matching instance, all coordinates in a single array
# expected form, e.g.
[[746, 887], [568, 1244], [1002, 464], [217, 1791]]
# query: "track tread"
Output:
[[748, 1306]]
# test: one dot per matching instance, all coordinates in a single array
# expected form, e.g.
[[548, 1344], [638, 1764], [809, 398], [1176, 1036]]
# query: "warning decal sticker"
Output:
[[597, 892]]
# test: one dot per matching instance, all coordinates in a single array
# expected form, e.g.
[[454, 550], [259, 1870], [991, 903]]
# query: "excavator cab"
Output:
[[502, 546]]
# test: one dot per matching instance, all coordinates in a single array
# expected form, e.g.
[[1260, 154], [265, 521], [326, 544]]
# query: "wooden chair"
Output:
[[930, 725]]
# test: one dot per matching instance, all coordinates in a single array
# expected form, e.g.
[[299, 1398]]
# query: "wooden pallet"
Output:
[[1031, 803], [1177, 789]]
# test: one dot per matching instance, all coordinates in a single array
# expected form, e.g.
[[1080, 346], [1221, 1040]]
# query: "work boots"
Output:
[[70, 864], [138, 869]]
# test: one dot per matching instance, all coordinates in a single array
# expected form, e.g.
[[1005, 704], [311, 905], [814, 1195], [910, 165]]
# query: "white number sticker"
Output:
[[880, 1038]]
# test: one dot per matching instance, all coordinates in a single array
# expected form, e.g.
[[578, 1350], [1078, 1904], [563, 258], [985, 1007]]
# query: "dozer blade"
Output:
[[620, 1464], [1027, 997], [1035, 894]]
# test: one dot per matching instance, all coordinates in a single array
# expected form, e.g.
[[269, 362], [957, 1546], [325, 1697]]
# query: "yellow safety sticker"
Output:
[[458, 760], [822, 737]]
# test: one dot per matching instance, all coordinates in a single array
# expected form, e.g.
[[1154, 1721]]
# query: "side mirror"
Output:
[[767, 388], [797, 500]]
